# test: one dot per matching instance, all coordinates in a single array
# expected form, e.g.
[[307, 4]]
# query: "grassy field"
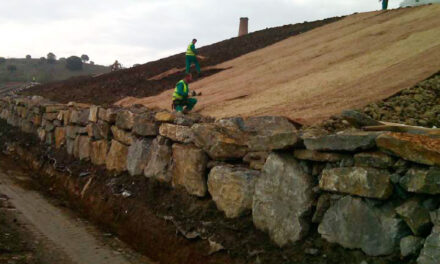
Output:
[[43, 71]]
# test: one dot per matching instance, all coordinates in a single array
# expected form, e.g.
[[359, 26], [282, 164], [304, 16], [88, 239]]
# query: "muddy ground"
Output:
[[15, 245], [166, 224], [109, 88]]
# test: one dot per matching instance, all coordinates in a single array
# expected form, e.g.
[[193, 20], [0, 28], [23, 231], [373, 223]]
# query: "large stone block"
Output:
[[189, 170], [79, 117], [122, 135], [158, 165], [345, 141], [361, 181], [50, 116], [98, 151], [70, 146], [82, 148], [417, 148], [266, 133], [306, 154], [176, 133], [104, 129], [125, 119], [110, 115], [353, 224], [220, 143], [283, 199], [117, 157], [415, 216], [60, 137], [420, 180], [232, 189], [93, 113], [93, 131], [374, 159], [137, 156], [431, 250], [410, 246], [144, 125], [165, 117], [54, 108]]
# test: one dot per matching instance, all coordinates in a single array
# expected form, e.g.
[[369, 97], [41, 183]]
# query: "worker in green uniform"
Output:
[[181, 100], [384, 4], [191, 57]]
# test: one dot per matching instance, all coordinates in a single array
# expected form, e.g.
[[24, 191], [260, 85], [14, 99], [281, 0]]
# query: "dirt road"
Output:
[[66, 238], [361, 59]]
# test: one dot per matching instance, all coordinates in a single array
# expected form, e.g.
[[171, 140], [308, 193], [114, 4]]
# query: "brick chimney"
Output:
[[243, 30]]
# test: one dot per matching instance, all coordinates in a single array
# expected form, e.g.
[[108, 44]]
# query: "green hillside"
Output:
[[43, 71]]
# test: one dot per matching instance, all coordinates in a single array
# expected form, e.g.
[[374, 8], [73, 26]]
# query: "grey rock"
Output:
[[221, 143], [365, 182], [158, 164], [344, 141], [359, 119], [416, 216], [144, 125], [79, 117], [232, 189], [420, 180], [137, 156], [177, 133], [411, 246], [125, 119], [374, 159], [122, 136], [189, 170], [306, 154], [430, 253], [283, 199], [353, 224]]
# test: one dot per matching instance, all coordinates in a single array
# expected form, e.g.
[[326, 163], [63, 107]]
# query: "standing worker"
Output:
[[384, 4], [191, 57], [181, 95]]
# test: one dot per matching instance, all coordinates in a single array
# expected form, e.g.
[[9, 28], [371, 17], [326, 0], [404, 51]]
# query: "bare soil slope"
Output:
[[347, 64]]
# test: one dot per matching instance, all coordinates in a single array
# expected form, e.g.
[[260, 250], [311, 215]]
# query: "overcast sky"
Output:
[[137, 31]]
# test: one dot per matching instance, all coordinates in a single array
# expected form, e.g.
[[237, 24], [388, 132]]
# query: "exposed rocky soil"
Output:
[[109, 88], [419, 105]]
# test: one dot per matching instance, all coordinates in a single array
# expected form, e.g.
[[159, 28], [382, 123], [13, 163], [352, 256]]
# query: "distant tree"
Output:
[[74, 63], [42, 60], [51, 58], [62, 59], [92, 63], [28, 57], [85, 58], [135, 65], [11, 68], [2, 60]]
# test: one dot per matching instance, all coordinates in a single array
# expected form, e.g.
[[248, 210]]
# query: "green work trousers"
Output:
[[189, 61], [188, 103], [384, 4]]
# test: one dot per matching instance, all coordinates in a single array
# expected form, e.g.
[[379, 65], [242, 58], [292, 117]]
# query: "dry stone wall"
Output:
[[374, 191]]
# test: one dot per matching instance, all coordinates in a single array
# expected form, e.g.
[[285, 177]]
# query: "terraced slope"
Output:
[[347, 64], [138, 81]]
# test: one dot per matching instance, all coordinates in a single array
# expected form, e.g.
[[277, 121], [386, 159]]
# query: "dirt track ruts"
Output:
[[75, 241]]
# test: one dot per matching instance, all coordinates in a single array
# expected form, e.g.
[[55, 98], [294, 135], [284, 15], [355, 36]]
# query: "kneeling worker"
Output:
[[181, 95]]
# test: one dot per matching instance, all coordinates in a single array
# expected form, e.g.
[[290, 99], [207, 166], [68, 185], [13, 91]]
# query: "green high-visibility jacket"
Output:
[[191, 50], [181, 91]]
